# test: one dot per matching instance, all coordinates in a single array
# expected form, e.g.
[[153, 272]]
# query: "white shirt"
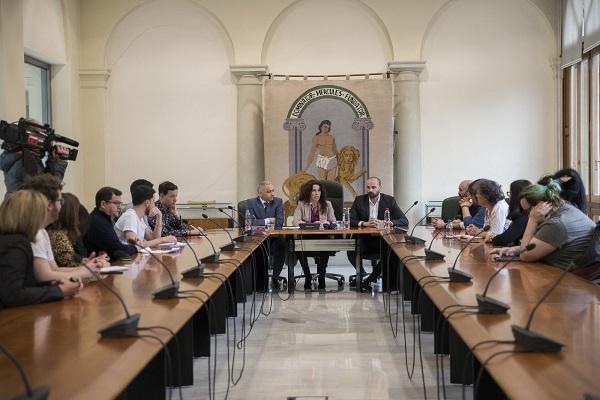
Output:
[[42, 247], [497, 219], [374, 208], [129, 221], [267, 220]]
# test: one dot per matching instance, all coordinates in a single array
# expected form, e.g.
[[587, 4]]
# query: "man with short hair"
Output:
[[266, 209], [470, 211], [131, 225], [101, 235], [44, 266], [173, 224], [368, 211]]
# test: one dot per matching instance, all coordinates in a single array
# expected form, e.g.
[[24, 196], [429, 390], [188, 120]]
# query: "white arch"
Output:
[[140, 8], [385, 39], [449, 3]]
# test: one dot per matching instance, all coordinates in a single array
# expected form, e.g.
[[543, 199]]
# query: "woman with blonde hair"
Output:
[[22, 215], [559, 230]]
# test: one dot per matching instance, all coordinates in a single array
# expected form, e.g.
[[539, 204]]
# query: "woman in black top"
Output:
[[22, 215], [518, 218]]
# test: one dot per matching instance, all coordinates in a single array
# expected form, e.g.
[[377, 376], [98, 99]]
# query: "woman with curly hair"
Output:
[[489, 195], [559, 230]]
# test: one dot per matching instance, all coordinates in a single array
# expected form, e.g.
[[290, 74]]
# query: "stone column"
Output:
[[250, 140], [407, 137], [92, 158], [12, 79]]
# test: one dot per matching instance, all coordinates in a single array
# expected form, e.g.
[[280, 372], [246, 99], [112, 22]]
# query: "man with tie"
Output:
[[266, 209], [367, 211]]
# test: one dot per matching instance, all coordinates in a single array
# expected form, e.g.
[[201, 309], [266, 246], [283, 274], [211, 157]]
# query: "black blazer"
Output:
[[360, 210], [18, 286]]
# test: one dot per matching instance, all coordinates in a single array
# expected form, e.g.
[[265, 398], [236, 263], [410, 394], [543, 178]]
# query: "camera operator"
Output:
[[19, 162]]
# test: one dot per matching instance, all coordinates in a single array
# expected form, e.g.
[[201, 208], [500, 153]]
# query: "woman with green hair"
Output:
[[560, 231]]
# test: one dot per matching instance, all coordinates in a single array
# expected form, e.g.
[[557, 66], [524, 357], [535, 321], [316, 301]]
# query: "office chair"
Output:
[[450, 208]]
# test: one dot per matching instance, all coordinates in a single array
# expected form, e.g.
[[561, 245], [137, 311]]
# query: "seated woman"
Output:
[[517, 216], [21, 216], [572, 188], [489, 195], [559, 230], [65, 236], [313, 206]]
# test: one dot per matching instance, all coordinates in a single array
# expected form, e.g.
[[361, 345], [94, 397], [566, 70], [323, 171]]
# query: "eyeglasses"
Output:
[[116, 203], [61, 201], [508, 193]]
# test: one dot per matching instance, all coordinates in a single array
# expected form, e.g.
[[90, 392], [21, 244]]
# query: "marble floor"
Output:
[[322, 345]]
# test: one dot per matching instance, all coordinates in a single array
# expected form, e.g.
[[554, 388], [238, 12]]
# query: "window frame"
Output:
[[46, 88]]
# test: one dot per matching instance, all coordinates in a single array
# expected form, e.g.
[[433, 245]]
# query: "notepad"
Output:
[[113, 268]]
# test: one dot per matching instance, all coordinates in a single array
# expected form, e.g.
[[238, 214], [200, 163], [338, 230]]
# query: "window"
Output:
[[37, 90]]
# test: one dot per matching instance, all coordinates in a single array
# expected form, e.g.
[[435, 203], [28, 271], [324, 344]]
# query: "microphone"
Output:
[[231, 246], [124, 327], [534, 341], [196, 271], [431, 255], [241, 238], [487, 305], [214, 257], [410, 208], [166, 292], [38, 393], [461, 276], [413, 239]]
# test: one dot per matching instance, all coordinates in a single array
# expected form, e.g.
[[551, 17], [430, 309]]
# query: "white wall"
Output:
[[488, 99], [171, 102], [44, 30]]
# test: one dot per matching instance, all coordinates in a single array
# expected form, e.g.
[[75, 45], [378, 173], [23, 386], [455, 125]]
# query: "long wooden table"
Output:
[[571, 315], [58, 344]]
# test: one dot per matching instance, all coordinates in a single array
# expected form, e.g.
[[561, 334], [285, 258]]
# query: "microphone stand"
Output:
[[242, 237], [488, 305], [38, 393], [462, 276], [410, 239], [166, 292], [532, 341], [229, 247], [431, 255], [410, 208], [214, 257]]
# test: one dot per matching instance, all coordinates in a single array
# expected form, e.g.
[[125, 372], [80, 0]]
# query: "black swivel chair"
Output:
[[335, 194], [450, 208]]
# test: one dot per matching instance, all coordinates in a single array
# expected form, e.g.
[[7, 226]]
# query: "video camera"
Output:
[[40, 139]]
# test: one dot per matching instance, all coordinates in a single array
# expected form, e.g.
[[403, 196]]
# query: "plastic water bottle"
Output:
[[449, 229], [346, 218], [377, 286], [247, 221], [387, 222]]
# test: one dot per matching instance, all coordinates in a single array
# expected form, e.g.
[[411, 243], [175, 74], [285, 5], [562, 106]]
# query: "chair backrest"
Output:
[[450, 208], [335, 194], [588, 264], [241, 206]]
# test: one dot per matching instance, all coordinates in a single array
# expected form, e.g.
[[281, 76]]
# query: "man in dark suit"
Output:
[[367, 211], [266, 209]]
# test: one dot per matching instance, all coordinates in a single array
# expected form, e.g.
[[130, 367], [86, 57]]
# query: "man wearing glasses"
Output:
[[101, 235]]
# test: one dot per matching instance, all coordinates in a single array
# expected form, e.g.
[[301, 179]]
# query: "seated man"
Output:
[[470, 212], [173, 224], [267, 209], [131, 225], [101, 235], [367, 211]]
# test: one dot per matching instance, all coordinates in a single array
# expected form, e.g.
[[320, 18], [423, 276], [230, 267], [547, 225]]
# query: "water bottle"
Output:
[[387, 222], [247, 221], [377, 286], [449, 230], [346, 218]]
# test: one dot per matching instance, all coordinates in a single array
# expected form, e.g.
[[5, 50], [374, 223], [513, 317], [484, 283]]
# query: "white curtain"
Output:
[[591, 34], [572, 23]]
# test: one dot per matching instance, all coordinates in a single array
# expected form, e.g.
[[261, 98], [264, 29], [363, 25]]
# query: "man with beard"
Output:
[[368, 211]]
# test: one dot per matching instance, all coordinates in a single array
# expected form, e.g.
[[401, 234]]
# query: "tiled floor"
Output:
[[334, 344]]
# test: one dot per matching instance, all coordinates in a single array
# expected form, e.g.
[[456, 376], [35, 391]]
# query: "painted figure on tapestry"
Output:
[[323, 145], [347, 159]]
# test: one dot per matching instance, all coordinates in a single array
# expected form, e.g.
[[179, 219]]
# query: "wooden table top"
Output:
[[351, 231], [571, 314], [58, 343]]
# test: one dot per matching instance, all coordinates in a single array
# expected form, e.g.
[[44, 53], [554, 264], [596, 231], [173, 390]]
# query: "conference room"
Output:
[[369, 199]]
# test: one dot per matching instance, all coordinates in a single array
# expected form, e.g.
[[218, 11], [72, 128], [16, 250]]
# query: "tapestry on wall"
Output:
[[332, 130]]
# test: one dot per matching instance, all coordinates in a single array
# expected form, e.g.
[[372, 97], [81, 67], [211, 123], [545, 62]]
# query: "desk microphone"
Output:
[[462, 276], [487, 305], [533, 341], [214, 257], [413, 239], [410, 208], [242, 237], [38, 393], [166, 292], [431, 255], [229, 247], [124, 327], [198, 270]]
